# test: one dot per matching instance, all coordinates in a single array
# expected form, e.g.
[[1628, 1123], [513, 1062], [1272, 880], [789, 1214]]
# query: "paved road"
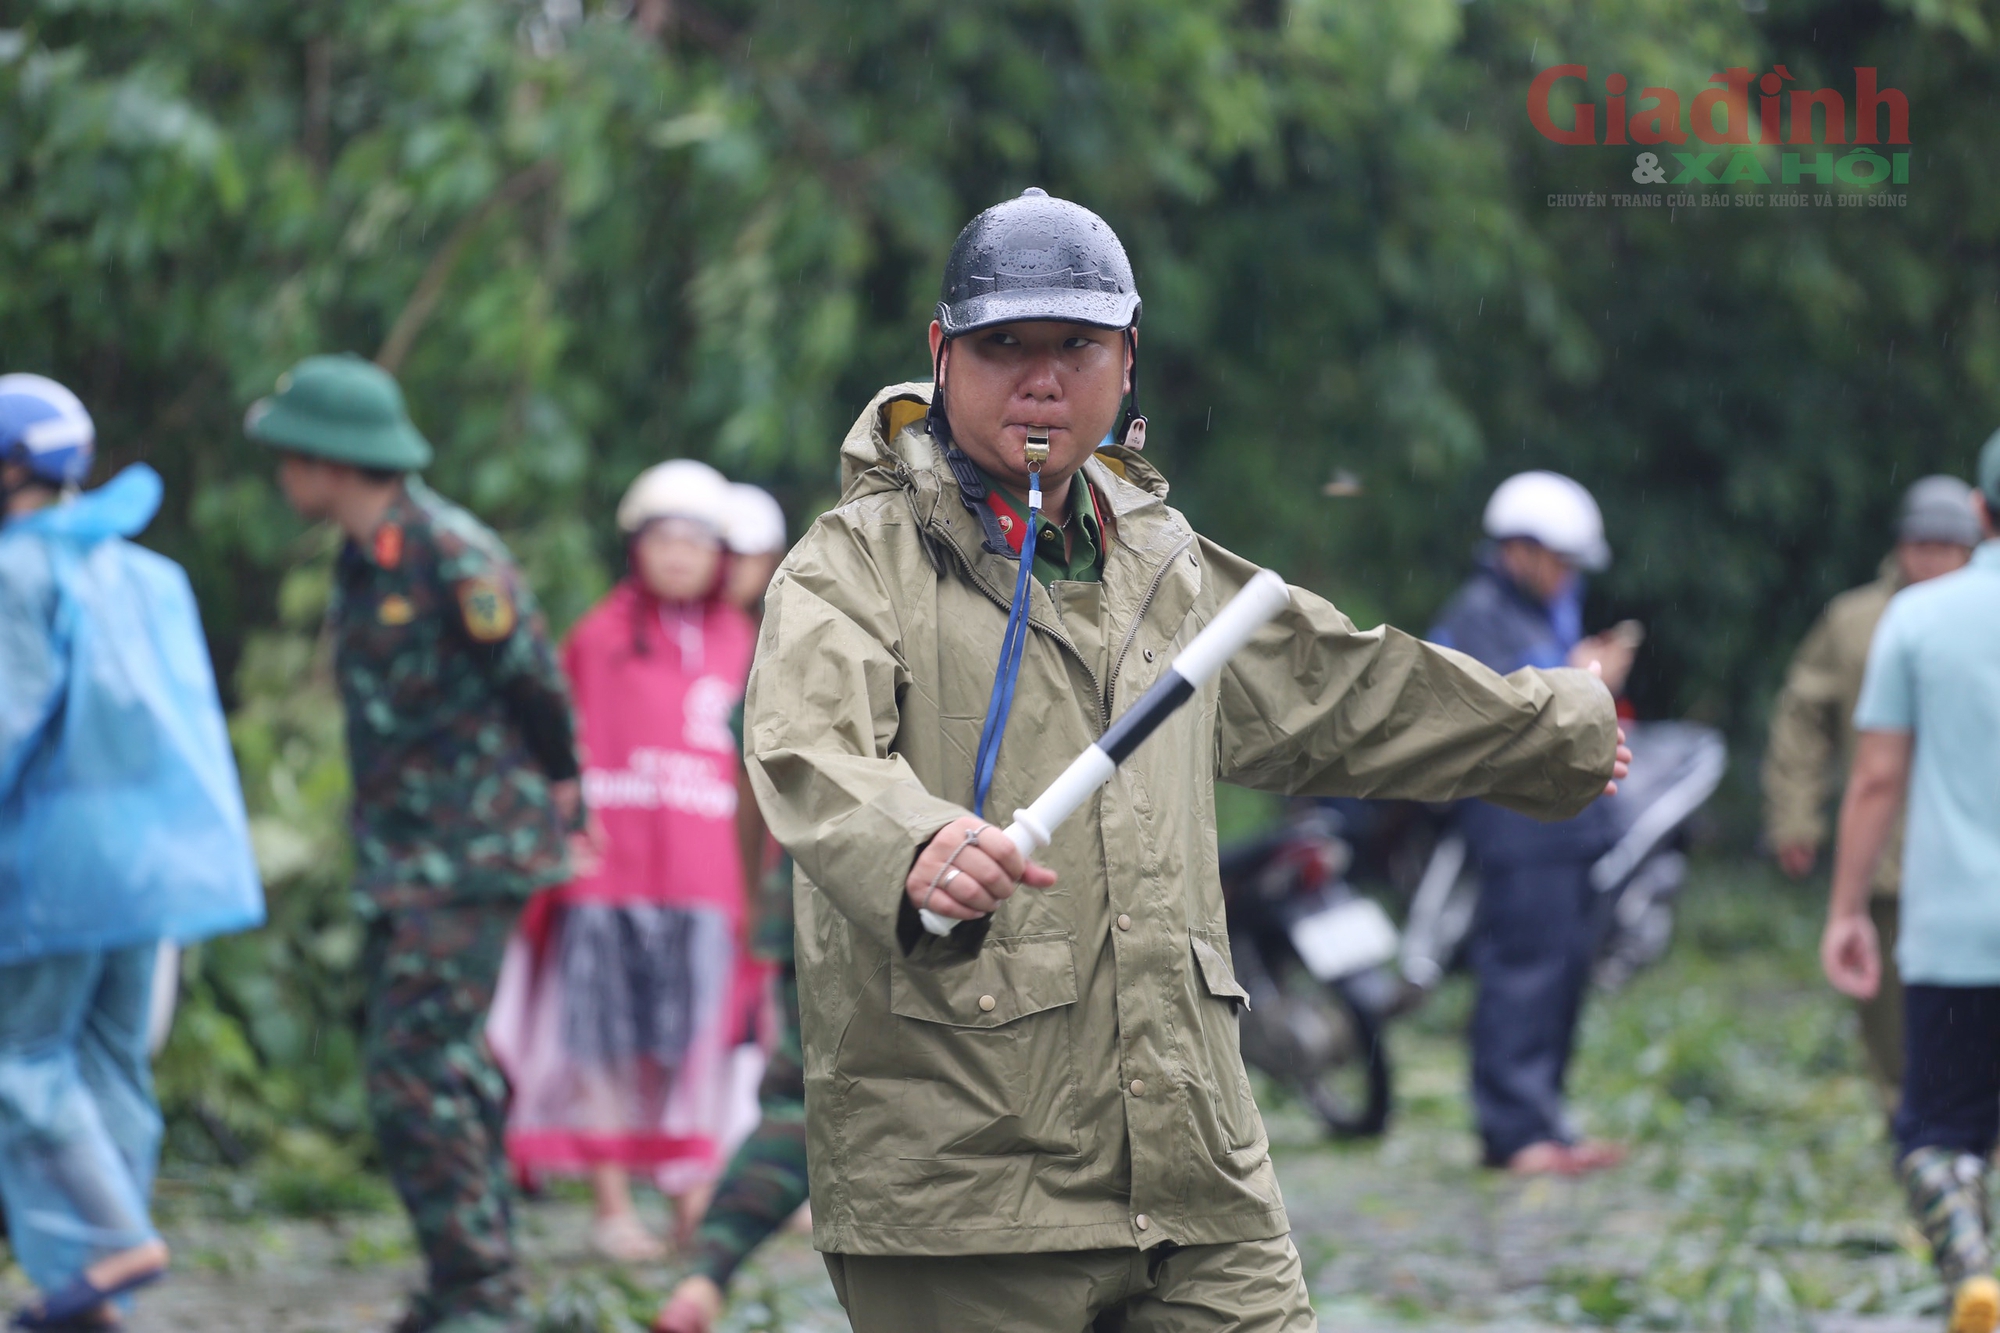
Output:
[[1399, 1236]]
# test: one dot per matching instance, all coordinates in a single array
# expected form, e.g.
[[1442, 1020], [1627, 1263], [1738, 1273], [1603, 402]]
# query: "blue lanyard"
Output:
[[1011, 645]]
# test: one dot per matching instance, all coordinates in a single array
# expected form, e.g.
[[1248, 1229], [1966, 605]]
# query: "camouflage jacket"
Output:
[[1812, 724], [458, 717]]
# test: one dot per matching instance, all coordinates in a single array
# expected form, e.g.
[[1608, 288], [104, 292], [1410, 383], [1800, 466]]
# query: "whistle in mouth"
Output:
[[1038, 449]]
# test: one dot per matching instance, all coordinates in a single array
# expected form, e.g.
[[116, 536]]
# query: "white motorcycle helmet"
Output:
[[1551, 509], [757, 525], [678, 488]]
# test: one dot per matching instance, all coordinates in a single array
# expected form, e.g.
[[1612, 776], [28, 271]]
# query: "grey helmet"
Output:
[[1938, 509], [1037, 257]]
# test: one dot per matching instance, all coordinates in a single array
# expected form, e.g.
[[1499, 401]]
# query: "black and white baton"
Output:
[[1261, 598]]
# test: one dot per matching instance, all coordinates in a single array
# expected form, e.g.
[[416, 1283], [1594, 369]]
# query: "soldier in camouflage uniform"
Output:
[[765, 1182], [461, 745]]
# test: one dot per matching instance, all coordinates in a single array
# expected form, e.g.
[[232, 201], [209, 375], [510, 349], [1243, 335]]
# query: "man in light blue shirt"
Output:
[[1929, 728]]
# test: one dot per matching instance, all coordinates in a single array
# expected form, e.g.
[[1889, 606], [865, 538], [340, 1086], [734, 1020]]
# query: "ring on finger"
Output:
[[945, 874], [943, 881]]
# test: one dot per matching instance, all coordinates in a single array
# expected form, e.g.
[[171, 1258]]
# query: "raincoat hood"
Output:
[[121, 507], [888, 451]]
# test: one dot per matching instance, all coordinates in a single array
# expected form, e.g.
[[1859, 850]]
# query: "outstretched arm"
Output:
[[1314, 706]]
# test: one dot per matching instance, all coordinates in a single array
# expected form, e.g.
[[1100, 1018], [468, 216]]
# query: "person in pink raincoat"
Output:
[[619, 1006]]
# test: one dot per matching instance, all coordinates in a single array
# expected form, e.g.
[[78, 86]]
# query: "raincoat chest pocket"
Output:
[[986, 1052], [1219, 1064]]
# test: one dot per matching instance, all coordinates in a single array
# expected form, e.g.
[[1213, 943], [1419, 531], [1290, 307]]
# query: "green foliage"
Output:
[[594, 1302], [593, 234]]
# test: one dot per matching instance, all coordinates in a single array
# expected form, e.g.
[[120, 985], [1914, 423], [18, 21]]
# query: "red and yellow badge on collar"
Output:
[[1011, 526], [395, 609], [487, 608], [389, 545]]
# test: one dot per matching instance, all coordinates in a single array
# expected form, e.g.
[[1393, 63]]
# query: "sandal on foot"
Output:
[[625, 1240], [71, 1307]]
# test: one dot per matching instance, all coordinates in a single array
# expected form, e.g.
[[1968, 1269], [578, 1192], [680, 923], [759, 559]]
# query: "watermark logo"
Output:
[[1723, 141]]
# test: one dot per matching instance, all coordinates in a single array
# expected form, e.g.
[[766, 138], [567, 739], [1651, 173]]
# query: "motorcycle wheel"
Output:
[[1351, 1091]]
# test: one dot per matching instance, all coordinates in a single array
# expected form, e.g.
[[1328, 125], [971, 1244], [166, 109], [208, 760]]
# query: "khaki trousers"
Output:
[[1882, 1017], [1254, 1286]]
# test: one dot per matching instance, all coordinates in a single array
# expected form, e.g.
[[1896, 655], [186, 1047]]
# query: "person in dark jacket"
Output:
[[1531, 940]]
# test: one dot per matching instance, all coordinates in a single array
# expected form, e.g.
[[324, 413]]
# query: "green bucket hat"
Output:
[[340, 408]]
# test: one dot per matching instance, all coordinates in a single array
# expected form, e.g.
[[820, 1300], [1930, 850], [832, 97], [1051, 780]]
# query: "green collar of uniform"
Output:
[[1084, 561]]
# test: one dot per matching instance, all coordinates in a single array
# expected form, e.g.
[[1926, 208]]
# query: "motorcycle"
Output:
[[1314, 956]]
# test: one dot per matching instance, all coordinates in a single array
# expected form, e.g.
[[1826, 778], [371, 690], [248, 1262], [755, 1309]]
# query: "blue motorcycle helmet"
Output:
[[45, 428]]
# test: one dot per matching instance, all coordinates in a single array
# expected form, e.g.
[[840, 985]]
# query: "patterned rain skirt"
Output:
[[616, 1025]]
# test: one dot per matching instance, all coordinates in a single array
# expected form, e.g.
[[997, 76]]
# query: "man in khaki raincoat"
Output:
[[1041, 1121], [1812, 736]]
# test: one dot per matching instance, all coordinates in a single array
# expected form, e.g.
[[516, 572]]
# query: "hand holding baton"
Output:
[[1247, 612]]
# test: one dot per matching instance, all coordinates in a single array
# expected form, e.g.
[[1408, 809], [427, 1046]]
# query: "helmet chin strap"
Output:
[[935, 420], [1131, 430]]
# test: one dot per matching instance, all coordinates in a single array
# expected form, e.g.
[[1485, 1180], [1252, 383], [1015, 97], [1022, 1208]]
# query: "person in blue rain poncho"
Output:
[[121, 825]]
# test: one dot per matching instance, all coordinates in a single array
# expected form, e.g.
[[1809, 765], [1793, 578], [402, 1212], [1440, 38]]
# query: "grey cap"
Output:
[[1938, 509]]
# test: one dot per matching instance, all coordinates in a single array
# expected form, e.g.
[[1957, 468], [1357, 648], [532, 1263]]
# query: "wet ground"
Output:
[[1758, 1195]]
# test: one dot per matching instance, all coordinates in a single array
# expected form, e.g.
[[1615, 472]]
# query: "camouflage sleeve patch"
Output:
[[486, 607]]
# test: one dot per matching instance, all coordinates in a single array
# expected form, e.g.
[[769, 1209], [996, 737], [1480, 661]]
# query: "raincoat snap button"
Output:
[[1142, 1221], [1149, 654], [1191, 559], [1138, 1087], [986, 1002], [1124, 922]]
